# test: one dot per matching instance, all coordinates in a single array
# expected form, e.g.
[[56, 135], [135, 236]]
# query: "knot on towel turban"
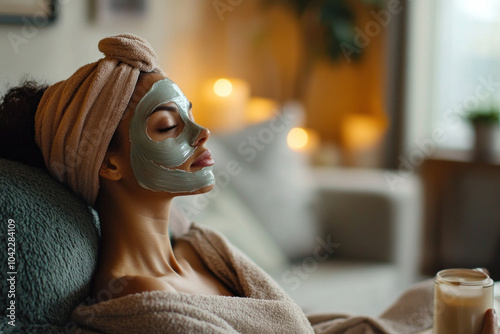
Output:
[[131, 50], [77, 117]]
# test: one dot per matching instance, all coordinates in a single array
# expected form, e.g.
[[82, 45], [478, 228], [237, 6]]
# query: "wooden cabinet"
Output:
[[462, 212]]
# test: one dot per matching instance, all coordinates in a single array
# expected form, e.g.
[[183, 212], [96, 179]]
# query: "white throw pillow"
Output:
[[263, 195], [273, 181]]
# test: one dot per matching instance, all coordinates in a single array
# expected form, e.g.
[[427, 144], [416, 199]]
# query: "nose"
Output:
[[202, 137]]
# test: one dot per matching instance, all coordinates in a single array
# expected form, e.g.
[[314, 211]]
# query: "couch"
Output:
[[335, 239], [51, 239]]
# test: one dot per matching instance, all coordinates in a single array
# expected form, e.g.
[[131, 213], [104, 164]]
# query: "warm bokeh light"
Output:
[[219, 111], [361, 131], [223, 87], [260, 109], [297, 138]]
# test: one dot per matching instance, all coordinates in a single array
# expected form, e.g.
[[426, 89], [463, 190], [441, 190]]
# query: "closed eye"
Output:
[[164, 130]]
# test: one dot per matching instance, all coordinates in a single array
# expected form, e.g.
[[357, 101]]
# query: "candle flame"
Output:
[[223, 87], [297, 138]]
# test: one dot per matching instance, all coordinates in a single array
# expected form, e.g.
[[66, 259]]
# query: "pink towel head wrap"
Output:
[[77, 117]]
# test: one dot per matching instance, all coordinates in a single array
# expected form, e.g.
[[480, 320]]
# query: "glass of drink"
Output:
[[461, 297]]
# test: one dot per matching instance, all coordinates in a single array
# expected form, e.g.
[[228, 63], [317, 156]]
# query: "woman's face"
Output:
[[165, 146]]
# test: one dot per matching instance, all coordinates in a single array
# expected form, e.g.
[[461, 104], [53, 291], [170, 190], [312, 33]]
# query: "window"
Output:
[[453, 66]]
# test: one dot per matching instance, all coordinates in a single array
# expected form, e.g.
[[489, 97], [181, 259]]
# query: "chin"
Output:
[[203, 190]]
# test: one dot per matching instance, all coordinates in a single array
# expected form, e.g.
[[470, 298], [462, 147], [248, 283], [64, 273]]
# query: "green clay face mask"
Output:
[[153, 162]]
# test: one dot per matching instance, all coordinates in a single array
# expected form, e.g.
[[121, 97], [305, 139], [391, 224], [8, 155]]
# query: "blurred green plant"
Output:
[[337, 18], [483, 115], [327, 28]]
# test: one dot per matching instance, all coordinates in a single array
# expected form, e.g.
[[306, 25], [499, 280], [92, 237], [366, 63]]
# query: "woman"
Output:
[[122, 136], [135, 239]]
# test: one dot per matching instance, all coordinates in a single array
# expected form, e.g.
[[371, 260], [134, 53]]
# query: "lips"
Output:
[[204, 160]]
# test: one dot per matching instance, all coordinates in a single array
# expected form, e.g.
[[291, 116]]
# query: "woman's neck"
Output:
[[135, 239]]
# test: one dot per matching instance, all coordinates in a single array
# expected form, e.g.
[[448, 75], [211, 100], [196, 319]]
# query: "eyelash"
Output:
[[167, 129]]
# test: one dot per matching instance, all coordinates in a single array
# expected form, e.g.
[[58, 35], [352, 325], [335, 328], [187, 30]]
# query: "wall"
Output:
[[339, 87], [196, 41], [247, 42], [54, 52], [264, 45]]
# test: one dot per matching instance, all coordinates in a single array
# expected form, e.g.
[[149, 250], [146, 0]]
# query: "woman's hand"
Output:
[[490, 323]]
